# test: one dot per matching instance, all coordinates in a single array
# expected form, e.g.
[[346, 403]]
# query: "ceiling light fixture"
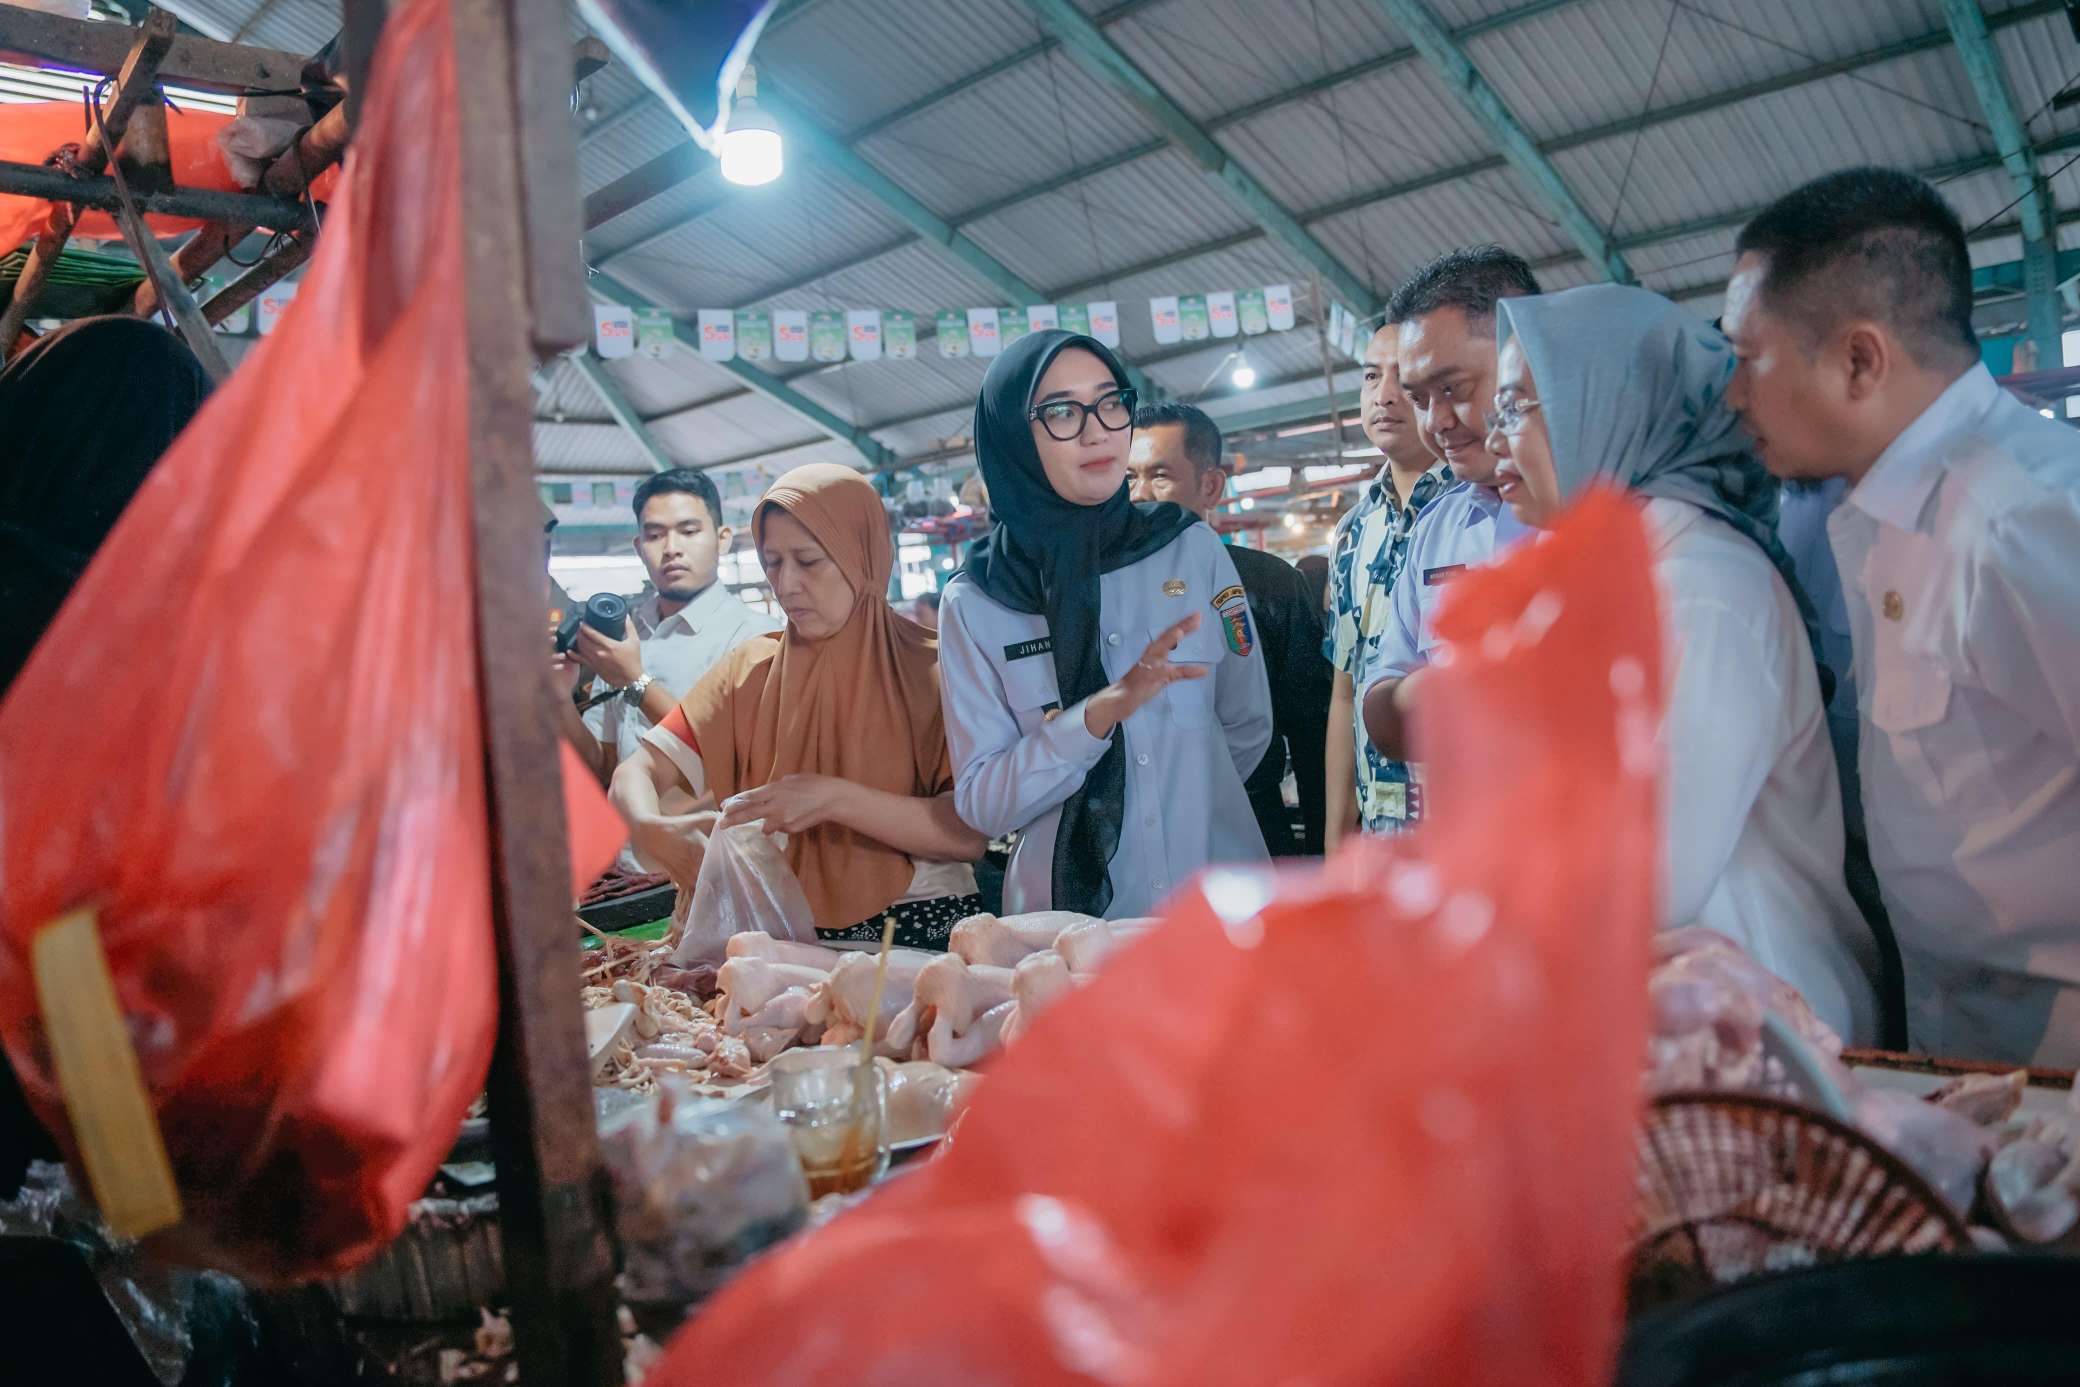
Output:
[[752, 154]]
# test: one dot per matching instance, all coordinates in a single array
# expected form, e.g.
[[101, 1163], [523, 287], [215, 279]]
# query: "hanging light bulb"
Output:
[[751, 149], [1245, 375]]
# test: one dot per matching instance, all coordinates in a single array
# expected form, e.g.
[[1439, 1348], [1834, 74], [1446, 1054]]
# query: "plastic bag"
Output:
[[745, 886], [280, 812], [32, 131], [1368, 1123], [700, 1188]]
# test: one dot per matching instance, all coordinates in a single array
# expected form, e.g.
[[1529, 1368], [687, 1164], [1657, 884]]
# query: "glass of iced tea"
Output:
[[834, 1109]]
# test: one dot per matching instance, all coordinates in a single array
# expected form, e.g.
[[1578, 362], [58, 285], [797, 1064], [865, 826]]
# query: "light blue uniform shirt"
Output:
[[1188, 750], [1462, 528]]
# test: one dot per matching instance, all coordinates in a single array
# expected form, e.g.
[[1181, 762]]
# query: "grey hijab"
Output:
[[1633, 390]]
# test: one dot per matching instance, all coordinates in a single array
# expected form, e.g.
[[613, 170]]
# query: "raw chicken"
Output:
[[1037, 981], [1948, 1151], [956, 993], [973, 1045], [923, 1098], [1083, 947], [748, 983], [2027, 1187], [851, 990], [1002, 942], [1987, 1099], [795, 1015], [754, 945], [1708, 1000]]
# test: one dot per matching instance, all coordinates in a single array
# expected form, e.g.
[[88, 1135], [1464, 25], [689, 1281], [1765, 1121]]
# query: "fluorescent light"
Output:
[[1263, 479], [1335, 473], [1361, 452]]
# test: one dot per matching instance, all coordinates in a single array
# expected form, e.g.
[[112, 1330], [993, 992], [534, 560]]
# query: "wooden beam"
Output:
[[190, 61], [135, 84], [551, 1185], [261, 277], [203, 204]]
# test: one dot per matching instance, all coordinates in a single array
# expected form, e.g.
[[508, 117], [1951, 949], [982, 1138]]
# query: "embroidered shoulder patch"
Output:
[[1231, 604]]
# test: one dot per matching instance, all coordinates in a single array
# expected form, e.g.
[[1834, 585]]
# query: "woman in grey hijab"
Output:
[[1618, 386]]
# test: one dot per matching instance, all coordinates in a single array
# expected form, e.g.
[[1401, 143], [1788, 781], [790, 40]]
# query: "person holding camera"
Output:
[[676, 633]]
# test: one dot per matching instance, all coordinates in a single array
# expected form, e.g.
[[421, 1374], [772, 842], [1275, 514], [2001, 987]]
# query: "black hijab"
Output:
[[1043, 558], [84, 414]]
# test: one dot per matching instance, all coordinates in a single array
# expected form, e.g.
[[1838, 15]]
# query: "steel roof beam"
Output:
[[1989, 77], [1098, 55], [772, 387], [623, 412], [1451, 62]]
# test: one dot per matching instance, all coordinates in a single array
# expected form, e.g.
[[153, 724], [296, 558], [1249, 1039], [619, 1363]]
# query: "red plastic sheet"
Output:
[[1366, 1124], [252, 740], [32, 131]]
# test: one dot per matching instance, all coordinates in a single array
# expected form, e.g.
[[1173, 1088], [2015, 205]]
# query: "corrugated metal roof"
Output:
[[1672, 193]]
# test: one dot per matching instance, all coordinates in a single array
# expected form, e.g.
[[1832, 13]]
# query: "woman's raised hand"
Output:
[[1154, 672]]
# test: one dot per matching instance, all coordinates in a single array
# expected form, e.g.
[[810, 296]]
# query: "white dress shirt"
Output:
[[1753, 805], [677, 650], [1959, 553], [1188, 750]]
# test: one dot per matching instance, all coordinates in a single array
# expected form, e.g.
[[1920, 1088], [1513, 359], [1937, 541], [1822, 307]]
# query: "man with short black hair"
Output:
[[682, 627], [1445, 313], [1958, 550], [1176, 456]]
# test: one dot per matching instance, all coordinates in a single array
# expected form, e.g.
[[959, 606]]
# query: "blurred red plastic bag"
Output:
[[33, 130], [1368, 1124], [270, 778]]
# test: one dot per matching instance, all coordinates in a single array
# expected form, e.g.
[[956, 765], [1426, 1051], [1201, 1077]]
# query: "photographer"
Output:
[[679, 631]]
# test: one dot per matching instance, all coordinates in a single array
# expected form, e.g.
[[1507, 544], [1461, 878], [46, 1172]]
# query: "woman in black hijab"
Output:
[[84, 414], [1104, 695]]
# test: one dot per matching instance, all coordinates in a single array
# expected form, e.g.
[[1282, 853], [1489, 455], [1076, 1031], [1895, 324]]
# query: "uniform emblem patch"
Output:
[[1231, 604]]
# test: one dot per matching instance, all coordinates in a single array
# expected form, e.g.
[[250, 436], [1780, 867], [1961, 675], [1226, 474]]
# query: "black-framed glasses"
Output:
[[1063, 419], [1510, 416]]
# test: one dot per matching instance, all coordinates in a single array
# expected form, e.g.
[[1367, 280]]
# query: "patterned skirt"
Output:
[[919, 924]]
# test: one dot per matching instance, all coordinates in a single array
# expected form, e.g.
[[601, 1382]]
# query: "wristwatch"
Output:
[[634, 692]]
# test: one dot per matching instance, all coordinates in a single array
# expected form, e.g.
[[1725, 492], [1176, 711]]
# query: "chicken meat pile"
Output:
[[2015, 1174]]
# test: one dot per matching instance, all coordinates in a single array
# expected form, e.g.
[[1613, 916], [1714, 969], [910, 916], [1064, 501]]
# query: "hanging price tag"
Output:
[[1220, 312]]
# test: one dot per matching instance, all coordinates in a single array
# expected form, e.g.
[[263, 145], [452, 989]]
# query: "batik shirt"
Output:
[[1367, 555]]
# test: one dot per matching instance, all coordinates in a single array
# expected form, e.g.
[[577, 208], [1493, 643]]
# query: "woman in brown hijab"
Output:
[[829, 731]]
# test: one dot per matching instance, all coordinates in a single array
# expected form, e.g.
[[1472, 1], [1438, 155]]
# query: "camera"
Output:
[[603, 612]]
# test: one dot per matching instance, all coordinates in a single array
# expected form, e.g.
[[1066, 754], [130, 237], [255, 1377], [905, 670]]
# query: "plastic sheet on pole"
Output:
[[1364, 1124]]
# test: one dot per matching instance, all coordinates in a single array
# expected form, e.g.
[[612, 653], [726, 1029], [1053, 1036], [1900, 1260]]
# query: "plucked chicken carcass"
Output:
[[772, 1005], [851, 991], [1085, 946], [754, 945], [923, 1097], [1037, 981], [961, 1009], [1001, 942]]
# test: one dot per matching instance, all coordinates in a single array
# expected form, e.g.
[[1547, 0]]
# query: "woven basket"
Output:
[[1735, 1185]]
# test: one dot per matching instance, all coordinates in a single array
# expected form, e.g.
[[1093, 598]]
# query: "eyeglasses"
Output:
[[1510, 416], [1063, 419]]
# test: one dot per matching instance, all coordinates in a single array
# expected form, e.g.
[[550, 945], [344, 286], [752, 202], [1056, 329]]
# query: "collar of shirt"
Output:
[[1898, 484], [693, 616], [1428, 487]]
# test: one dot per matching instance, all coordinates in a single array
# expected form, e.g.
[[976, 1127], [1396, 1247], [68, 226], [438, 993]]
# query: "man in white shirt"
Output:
[[1958, 547], [678, 631], [1446, 315]]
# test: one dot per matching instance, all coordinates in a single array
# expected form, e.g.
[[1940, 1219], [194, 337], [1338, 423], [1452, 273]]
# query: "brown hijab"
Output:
[[862, 705]]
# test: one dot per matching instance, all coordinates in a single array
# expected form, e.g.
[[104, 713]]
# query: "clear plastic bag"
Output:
[[1359, 1125], [745, 886], [700, 1188]]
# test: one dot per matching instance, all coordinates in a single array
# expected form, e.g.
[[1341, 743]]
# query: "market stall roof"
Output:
[[943, 148]]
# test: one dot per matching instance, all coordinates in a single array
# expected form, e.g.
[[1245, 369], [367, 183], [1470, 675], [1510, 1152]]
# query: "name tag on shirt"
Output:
[[1433, 576], [1040, 646]]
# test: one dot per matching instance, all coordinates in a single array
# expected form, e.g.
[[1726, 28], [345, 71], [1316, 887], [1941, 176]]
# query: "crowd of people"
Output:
[[1867, 553]]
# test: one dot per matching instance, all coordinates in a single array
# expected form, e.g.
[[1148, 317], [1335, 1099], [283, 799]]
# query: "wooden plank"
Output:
[[145, 160], [190, 61], [204, 204], [552, 1188], [543, 67], [137, 83], [256, 281]]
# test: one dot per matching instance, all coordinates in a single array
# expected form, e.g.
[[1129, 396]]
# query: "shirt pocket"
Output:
[[1914, 698], [1029, 686], [1189, 702]]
